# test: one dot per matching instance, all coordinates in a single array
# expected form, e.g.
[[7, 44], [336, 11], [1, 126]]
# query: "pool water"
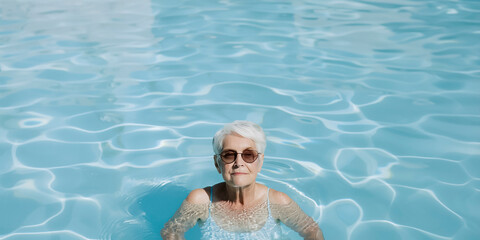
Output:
[[371, 108]]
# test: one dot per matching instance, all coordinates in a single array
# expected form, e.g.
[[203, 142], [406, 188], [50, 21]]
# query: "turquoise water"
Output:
[[107, 109]]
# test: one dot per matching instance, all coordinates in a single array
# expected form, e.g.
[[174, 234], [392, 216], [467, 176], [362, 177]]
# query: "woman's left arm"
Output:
[[288, 212], [185, 218], [193, 208]]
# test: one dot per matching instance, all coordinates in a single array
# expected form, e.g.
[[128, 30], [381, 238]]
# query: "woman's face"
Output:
[[238, 173]]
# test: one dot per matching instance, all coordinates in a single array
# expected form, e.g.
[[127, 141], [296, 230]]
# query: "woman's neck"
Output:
[[241, 196]]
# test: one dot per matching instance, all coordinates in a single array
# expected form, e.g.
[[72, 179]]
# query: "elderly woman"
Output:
[[239, 207]]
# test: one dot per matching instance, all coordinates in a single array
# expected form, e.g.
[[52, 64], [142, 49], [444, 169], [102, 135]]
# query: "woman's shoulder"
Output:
[[199, 196], [277, 197]]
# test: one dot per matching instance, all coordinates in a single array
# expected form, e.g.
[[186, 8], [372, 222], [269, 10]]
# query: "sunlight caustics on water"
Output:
[[371, 108]]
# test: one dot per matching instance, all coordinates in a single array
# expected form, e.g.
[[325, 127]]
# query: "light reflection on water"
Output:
[[107, 109]]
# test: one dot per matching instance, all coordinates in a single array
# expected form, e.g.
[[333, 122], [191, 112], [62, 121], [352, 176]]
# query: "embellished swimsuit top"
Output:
[[210, 230]]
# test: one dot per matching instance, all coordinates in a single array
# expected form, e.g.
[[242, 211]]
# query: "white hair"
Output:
[[245, 129]]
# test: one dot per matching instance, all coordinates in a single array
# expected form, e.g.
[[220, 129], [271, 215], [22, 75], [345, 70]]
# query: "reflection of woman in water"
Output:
[[239, 208]]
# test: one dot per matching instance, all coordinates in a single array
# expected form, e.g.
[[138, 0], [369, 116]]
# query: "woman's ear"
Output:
[[260, 162], [216, 163]]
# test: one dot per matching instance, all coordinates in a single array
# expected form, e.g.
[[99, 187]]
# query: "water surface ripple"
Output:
[[107, 109]]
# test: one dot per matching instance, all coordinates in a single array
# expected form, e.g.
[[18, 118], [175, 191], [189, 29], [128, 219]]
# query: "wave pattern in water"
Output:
[[107, 109]]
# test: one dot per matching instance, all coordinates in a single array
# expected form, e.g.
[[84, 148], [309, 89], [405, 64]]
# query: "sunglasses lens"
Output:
[[249, 156], [229, 156]]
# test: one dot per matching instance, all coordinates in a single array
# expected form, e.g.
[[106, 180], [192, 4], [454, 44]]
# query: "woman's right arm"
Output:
[[288, 212], [294, 217], [195, 207]]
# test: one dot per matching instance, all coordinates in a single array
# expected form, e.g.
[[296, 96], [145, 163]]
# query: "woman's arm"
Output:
[[192, 209], [288, 211]]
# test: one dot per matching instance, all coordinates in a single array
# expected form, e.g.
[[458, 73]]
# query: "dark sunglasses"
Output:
[[248, 156]]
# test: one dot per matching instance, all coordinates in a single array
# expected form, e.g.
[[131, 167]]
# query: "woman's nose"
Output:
[[239, 160]]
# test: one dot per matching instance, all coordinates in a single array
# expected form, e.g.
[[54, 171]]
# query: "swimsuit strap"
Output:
[[211, 194], [268, 201], [211, 201]]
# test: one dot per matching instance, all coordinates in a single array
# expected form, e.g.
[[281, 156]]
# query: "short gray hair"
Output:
[[245, 129]]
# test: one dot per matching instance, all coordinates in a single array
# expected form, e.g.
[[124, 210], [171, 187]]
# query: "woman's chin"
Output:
[[239, 184]]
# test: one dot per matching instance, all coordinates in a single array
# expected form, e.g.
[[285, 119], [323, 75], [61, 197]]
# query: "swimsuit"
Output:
[[210, 230]]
